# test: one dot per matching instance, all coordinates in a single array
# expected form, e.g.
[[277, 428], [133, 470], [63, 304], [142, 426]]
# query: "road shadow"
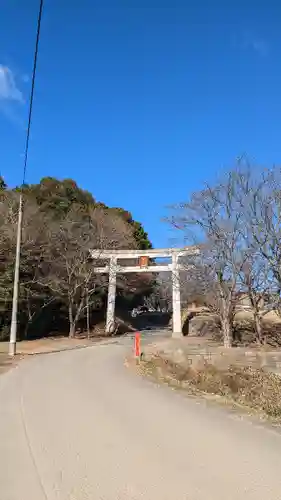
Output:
[[151, 321]]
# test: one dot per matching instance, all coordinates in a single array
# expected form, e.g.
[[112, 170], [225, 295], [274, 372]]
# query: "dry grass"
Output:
[[246, 386]]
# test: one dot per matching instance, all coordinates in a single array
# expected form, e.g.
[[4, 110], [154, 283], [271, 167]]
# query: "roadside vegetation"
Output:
[[253, 389]]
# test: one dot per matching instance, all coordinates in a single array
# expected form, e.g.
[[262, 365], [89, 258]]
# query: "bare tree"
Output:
[[262, 229], [260, 275], [32, 299], [259, 284], [161, 297], [71, 269], [213, 217]]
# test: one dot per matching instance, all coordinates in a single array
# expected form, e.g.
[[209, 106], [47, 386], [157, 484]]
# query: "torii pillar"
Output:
[[176, 292], [109, 328]]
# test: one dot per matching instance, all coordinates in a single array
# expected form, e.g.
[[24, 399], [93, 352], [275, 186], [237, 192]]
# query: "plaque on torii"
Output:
[[143, 261]]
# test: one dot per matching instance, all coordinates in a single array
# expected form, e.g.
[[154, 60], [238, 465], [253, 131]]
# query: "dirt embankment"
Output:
[[241, 377]]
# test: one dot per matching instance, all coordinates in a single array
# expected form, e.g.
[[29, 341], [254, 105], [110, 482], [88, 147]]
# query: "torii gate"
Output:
[[143, 255]]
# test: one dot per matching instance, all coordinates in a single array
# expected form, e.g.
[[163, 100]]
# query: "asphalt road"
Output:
[[79, 425]]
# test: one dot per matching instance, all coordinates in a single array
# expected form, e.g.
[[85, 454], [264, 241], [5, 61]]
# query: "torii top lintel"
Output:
[[152, 253]]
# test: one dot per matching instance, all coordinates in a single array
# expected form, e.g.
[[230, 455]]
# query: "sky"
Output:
[[140, 102]]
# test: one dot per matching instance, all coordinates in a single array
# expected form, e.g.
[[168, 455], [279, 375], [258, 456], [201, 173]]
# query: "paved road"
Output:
[[79, 425]]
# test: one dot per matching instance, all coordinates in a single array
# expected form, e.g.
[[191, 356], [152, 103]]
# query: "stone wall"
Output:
[[185, 353]]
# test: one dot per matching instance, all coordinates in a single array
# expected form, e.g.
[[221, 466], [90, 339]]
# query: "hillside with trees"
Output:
[[58, 289]]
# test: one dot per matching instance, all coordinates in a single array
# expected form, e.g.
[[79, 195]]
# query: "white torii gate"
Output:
[[114, 267]]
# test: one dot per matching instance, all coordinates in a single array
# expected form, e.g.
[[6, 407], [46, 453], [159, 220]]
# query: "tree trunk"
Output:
[[28, 323], [71, 330], [79, 310], [258, 327], [71, 321], [227, 320], [88, 313], [227, 332]]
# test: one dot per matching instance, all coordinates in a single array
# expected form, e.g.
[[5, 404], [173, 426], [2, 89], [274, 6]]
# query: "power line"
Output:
[[13, 330], [32, 88]]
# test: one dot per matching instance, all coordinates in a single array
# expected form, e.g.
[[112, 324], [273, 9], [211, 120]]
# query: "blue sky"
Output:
[[140, 102]]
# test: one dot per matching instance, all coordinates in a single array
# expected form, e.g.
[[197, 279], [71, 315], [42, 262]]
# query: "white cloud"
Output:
[[8, 88], [258, 45], [251, 42]]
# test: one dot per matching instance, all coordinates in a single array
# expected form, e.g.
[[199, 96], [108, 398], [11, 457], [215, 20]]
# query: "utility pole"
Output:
[[14, 319]]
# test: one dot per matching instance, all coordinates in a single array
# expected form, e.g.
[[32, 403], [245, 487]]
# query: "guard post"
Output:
[[137, 347]]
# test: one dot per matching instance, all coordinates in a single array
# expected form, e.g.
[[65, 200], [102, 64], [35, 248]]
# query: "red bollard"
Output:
[[137, 346]]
